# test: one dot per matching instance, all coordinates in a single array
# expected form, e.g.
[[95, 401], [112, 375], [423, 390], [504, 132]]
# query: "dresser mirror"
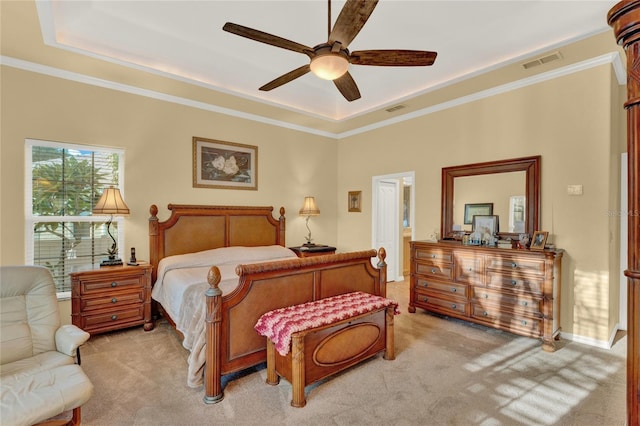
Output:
[[515, 195]]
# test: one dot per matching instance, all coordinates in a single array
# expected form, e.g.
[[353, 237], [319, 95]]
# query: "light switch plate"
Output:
[[574, 189]]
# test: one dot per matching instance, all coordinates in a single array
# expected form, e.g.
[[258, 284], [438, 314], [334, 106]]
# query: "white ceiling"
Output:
[[185, 39]]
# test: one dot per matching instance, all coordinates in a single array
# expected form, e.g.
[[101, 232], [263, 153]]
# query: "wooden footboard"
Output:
[[232, 342]]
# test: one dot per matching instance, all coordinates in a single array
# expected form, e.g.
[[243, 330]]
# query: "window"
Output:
[[63, 184]]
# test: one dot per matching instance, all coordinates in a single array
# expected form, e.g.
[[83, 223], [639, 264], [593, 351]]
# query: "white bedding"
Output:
[[182, 281]]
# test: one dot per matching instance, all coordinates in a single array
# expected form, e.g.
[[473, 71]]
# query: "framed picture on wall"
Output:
[[224, 165], [471, 210], [355, 200]]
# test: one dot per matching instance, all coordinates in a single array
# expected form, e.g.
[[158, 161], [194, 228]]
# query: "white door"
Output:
[[386, 223]]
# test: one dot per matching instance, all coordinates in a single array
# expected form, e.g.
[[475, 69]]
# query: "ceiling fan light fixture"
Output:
[[329, 66]]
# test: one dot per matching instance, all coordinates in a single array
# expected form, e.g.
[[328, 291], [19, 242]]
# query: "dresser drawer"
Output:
[[97, 285], [113, 300], [116, 318], [469, 269], [519, 264], [514, 282], [435, 270], [457, 308], [509, 321], [433, 254], [489, 299], [427, 286]]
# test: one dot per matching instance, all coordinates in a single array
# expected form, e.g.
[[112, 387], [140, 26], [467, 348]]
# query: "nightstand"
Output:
[[315, 250], [111, 298]]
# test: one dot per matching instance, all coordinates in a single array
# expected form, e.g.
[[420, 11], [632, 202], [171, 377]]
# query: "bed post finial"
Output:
[[153, 210], [213, 329], [281, 212], [382, 265]]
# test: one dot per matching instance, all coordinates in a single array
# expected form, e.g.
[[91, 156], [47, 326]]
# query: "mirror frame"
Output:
[[530, 165]]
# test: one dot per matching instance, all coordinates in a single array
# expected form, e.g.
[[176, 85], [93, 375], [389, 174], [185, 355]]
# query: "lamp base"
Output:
[[111, 262], [309, 244]]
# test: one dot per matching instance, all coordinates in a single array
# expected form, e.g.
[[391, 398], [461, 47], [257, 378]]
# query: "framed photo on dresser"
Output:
[[539, 240], [486, 224]]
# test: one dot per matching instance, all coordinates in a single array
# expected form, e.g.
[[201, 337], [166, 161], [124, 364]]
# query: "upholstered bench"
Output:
[[308, 342]]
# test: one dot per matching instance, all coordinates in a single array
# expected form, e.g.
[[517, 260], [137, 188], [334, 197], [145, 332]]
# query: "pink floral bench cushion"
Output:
[[279, 324]]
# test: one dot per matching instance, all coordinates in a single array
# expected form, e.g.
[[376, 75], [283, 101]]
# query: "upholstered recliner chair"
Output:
[[39, 376]]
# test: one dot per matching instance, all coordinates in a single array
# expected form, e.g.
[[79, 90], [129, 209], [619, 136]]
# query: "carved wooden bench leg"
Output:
[[297, 370], [272, 377], [390, 348]]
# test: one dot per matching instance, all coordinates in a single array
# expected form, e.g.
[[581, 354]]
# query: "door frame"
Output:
[[398, 177]]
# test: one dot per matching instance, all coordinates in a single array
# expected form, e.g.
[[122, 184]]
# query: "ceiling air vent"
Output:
[[543, 60], [395, 108]]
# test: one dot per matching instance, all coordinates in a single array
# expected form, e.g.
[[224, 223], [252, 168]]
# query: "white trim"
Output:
[[591, 341], [613, 58]]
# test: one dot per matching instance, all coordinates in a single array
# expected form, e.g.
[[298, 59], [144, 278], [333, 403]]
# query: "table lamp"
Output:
[[309, 209], [111, 203]]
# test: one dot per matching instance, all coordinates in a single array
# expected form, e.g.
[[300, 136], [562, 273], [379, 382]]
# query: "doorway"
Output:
[[393, 217]]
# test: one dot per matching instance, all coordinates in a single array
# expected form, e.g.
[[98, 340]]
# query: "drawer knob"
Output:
[[524, 322], [114, 300], [425, 284], [514, 282], [486, 296], [114, 284], [514, 265], [433, 270], [426, 299], [453, 306], [114, 317], [485, 314], [525, 303], [453, 289], [433, 256]]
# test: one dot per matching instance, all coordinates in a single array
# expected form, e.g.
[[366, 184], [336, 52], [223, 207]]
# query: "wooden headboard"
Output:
[[192, 228]]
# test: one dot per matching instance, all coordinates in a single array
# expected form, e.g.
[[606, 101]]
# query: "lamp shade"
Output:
[[111, 202], [309, 207]]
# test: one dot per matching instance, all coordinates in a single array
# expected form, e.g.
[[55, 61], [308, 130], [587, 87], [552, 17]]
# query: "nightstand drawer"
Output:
[[100, 285], [112, 300], [114, 319]]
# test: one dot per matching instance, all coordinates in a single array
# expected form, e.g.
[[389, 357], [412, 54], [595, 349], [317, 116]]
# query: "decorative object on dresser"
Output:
[[314, 250], [111, 203], [539, 239], [355, 201], [309, 209], [239, 288], [224, 165], [111, 298], [512, 290]]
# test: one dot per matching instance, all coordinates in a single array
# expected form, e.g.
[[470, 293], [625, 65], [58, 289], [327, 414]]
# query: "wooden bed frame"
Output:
[[232, 343]]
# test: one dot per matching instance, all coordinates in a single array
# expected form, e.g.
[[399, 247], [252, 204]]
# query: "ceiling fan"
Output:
[[331, 60]]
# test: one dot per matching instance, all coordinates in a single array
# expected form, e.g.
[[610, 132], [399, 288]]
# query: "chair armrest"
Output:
[[69, 338]]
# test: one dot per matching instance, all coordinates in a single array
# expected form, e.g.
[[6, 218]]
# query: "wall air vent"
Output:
[[395, 108], [543, 60]]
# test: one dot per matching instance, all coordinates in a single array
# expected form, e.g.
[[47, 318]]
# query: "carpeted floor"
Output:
[[446, 372]]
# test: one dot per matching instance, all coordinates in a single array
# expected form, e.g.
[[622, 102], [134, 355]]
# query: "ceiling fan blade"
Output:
[[352, 18], [285, 78], [347, 86], [266, 38], [391, 58]]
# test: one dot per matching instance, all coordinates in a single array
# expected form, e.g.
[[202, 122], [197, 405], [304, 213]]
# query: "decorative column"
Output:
[[624, 18]]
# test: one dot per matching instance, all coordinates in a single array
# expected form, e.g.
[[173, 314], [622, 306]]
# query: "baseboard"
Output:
[[590, 340]]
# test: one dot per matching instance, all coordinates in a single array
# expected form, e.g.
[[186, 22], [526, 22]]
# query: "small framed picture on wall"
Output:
[[355, 201]]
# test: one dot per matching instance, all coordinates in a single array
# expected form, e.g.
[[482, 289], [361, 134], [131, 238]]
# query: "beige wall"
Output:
[[568, 121]]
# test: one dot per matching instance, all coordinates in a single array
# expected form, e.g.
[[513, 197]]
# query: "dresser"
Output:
[[111, 298], [508, 289]]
